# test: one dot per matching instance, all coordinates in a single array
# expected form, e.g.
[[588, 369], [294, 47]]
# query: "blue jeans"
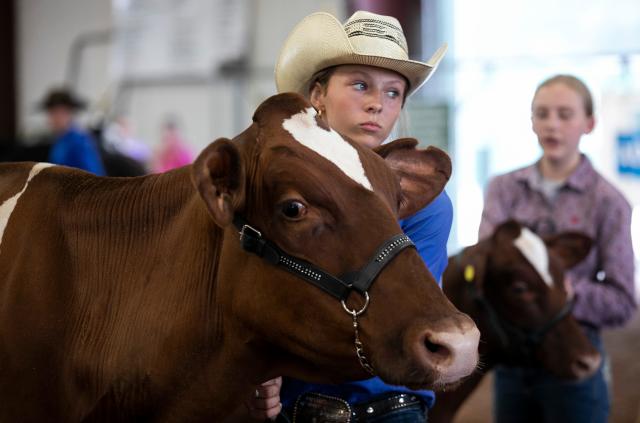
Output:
[[533, 395]]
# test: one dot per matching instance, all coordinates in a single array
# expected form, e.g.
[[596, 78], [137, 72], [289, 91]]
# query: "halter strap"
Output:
[[337, 286]]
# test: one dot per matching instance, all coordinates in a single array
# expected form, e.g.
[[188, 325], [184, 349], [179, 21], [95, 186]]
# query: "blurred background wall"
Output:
[[207, 64]]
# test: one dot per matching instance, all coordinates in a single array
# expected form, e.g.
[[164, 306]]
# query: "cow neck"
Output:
[[340, 287]]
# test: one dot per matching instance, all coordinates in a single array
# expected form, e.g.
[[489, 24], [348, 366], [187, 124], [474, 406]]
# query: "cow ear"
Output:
[[218, 174], [422, 173], [570, 247], [506, 232]]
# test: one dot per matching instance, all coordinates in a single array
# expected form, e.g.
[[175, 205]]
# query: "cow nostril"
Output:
[[450, 353], [586, 365], [582, 365], [431, 346], [438, 352]]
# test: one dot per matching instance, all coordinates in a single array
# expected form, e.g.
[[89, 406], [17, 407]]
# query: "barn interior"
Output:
[[197, 69]]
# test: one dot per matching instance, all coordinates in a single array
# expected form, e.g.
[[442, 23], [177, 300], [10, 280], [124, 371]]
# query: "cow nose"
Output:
[[453, 352], [586, 365]]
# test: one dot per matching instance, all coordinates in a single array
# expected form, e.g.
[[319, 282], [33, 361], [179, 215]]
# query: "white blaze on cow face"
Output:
[[329, 144], [535, 250], [7, 207]]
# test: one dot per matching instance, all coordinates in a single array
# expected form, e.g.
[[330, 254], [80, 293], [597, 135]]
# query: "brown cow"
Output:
[[136, 298], [512, 285]]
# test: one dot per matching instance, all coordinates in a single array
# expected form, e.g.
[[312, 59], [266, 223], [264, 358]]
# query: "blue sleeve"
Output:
[[87, 156], [429, 230], [77, 149]]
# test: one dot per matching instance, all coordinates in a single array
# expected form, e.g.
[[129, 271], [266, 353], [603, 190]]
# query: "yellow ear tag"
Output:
[[469, 273]]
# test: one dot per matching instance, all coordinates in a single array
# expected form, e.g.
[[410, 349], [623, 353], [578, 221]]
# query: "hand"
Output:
[[568, 286], [265, 400]]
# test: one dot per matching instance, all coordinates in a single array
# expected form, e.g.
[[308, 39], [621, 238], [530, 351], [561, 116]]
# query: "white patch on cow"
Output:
[[535, 250], [7, 207], [329, 144]]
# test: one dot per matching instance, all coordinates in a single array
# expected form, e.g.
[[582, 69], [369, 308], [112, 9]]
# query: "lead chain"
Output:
[[359, 349]]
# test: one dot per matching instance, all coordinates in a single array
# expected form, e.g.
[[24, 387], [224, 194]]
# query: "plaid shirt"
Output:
[[586, 202]]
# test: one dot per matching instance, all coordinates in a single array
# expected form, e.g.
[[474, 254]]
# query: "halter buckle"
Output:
[[249, 231]]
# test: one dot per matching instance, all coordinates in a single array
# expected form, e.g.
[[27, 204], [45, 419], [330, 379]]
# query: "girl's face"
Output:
[[559, 120], [361, 102]]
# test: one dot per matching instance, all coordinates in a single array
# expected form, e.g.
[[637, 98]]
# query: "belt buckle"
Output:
[[380, 406], [313, 406]]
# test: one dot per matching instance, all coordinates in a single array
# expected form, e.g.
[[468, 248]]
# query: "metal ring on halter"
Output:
[[355, 313]]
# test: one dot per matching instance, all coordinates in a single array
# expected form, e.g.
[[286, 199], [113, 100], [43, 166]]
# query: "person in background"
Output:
[[72, 146], [357, 77], [119, 137], [174, 151], [560, 192]]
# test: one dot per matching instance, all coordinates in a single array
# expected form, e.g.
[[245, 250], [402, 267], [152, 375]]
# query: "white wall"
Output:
[[206, 109], [45, 31]]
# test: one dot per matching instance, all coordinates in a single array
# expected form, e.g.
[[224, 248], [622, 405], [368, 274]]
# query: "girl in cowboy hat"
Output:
[[357, 76]]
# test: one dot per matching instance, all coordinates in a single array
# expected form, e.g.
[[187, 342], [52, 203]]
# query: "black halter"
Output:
[[518, 342], [339, 287], [336, 286]]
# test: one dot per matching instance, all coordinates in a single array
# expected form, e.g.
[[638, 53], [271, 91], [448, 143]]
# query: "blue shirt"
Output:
[[76, 148], [429, 230]]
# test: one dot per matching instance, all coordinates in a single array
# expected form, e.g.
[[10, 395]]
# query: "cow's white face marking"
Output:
[[535, 250], [329, 144], [7, 207]]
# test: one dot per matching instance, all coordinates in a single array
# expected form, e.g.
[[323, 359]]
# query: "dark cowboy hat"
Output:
[[61, 97]]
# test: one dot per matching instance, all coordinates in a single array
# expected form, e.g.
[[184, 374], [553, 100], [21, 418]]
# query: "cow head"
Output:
[[513, 285], [331, 203]]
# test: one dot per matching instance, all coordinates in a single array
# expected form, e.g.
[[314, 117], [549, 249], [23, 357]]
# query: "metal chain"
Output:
[[359, 349]]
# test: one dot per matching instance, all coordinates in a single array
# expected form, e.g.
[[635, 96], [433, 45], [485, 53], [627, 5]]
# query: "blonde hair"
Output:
[[575, 84]]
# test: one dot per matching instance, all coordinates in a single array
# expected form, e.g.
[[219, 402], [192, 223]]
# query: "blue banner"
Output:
[[629, 153]]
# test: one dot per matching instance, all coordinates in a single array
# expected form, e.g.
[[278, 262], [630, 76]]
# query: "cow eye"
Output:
[[519, 287], [294, 209]]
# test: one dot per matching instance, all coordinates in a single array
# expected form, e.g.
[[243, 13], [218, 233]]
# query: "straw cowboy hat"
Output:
[[320, 41]]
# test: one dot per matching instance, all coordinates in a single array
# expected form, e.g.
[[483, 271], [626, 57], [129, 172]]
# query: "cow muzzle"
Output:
[[452, 354]]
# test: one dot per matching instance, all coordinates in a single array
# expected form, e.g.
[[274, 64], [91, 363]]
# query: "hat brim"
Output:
[[72, 105], [62, 98], [319, 41]]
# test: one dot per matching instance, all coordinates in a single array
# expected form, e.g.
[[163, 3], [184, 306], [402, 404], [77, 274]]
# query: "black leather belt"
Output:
[[361, 412], [315, 407]]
